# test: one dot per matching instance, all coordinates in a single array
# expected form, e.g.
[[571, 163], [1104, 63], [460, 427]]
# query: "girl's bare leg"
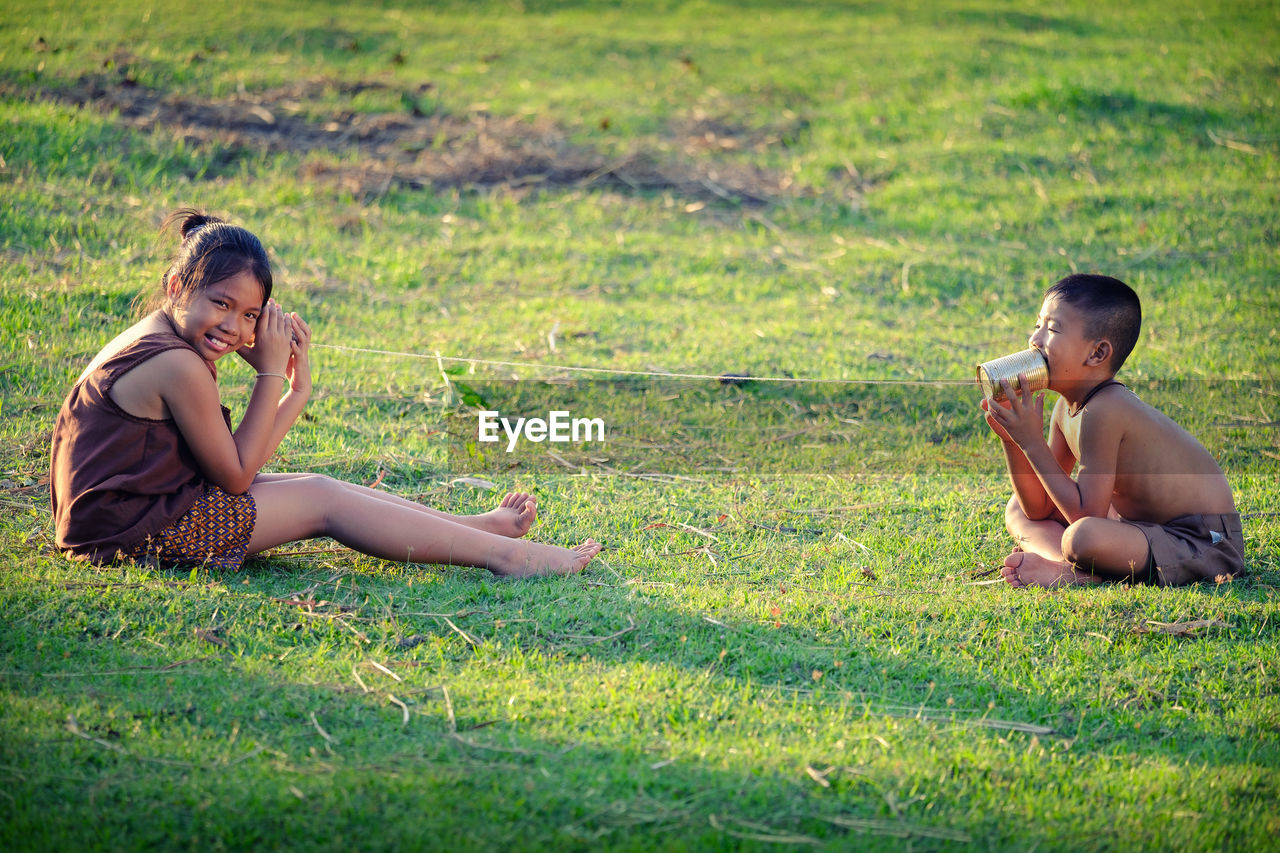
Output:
[[514, 515], [304, 507]]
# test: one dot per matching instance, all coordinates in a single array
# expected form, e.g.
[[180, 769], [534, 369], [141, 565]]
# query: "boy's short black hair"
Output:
[[1111, 310]]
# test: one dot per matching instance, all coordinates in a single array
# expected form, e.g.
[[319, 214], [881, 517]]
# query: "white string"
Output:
[[661, 374]]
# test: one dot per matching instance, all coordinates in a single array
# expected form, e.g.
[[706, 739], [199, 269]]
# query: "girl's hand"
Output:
[[271, 347], [1023, 419], [299, 369]]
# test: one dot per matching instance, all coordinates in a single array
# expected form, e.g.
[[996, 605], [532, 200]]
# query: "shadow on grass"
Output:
[[661, 722], [1027, 22], [199, 752], [1117, 106]]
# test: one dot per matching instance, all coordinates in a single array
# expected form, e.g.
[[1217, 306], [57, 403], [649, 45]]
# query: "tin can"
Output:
[[1031, 362]]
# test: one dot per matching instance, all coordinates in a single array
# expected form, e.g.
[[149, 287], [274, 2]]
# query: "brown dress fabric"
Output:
[[117, 479]]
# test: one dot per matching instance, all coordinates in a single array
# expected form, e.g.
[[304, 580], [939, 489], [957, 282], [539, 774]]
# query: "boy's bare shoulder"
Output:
[[1119, 410], [1116, 401], [1113, 408], [1148, 441]]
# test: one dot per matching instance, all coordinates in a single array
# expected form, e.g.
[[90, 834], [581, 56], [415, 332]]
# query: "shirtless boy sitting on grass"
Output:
[[1148, 503]]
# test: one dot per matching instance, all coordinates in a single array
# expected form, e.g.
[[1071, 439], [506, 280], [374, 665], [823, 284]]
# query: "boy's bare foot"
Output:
[[515, 514], [528, 559], [1023, 568]]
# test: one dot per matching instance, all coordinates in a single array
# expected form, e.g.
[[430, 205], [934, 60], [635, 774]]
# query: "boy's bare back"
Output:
[[1161, 471]]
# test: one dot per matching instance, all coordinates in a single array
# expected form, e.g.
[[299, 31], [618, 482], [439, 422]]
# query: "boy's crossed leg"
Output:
[[1051, 553]]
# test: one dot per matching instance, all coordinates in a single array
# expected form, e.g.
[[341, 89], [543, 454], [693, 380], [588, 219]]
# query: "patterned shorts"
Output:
[[214, 532]]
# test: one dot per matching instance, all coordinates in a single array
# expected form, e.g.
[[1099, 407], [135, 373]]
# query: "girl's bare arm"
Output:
[[292, 403], [231, 461]]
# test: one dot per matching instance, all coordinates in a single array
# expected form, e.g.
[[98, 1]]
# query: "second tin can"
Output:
[[1031, 362]]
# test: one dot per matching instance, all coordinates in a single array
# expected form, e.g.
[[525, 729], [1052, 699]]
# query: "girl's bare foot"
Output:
[[528, 559], [515, 514], [1023, 568]]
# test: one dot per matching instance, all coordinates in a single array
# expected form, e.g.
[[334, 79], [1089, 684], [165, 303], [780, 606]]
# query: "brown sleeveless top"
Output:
[[116, 479]]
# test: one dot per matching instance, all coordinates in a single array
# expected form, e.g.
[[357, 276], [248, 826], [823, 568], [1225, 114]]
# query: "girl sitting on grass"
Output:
[[146, 465]]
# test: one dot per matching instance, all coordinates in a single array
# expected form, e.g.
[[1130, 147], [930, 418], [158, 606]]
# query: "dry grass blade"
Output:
[[381, 668], [403, 707], [448, 708], [301, 552], [930, 714], [316, 723], [74, 728], [681, 525], [475, 483], [360, 635], [472, 641], [1014, 726], [898, 829], [142, 670], [819, 776], [590, 639], [786, 529], [697, 530], [311, 604], [210, 635], [1179, 629], [1234, 144], [837, 510], [762, 833]]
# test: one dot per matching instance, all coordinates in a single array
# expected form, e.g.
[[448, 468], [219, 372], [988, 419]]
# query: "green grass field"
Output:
[[793, 638]]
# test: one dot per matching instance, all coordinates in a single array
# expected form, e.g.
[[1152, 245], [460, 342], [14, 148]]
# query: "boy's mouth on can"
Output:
[[1030, 362]]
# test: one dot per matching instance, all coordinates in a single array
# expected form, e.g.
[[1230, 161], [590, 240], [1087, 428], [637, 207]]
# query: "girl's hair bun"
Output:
[[189, 219], [211, 250]]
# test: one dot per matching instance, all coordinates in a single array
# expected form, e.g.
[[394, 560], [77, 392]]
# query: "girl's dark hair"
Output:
[[211, 250]]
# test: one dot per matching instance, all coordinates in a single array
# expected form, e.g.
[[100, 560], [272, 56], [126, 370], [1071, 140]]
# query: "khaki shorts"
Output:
[[1192, 548], [214, 532]]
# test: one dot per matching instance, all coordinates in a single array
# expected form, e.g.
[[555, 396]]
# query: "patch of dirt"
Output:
[[702, 159]]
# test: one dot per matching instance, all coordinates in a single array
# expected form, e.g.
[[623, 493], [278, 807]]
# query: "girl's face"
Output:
[[221, 318]]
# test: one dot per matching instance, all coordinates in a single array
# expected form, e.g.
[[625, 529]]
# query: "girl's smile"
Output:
[[221, 318]]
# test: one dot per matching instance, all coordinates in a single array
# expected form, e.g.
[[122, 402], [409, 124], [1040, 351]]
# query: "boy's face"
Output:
[[1061, 337]]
